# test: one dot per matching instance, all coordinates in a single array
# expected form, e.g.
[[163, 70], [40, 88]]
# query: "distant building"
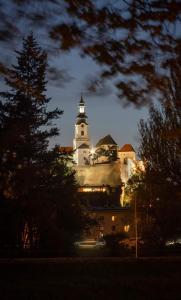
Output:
[[81, 143], [102, 173], [106, 150]]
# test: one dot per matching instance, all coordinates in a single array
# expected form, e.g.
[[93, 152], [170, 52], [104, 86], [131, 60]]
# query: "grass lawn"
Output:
[[90, 278]]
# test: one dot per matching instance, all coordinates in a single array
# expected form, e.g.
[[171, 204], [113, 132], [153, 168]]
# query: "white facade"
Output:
[[81, 143], [105, 164]]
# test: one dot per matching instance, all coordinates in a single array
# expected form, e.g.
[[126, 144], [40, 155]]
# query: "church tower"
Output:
[[81, 143]]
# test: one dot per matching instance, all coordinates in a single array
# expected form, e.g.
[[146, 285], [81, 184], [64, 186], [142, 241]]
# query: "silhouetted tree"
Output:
[[157, 190], [132, 41], [36, 184]]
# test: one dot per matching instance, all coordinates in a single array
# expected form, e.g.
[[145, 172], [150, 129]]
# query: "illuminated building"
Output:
[[81, 143], [102, 173]]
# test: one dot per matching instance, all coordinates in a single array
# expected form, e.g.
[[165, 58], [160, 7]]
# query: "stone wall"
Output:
[[99, 174]]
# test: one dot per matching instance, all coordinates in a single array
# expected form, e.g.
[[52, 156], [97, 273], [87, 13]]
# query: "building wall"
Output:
[[81, 139], [111, 222], [127, 168], [125, 155], [98, 175], [83, 156]]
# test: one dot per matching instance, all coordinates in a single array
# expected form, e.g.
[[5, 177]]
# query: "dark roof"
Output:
[[81, 115], [80, 121], [81, 100], [107, 140], [127, 148], [83, 146]]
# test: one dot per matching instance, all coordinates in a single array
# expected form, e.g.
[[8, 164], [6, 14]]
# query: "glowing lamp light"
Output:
[[92, 151]]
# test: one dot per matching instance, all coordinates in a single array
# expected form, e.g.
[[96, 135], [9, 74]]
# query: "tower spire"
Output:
[[81, 99], [81, 140], [81, 105]]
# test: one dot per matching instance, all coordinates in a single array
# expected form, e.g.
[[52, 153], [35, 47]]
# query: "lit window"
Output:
[[87, 190], [113, 218], [81, 109], [126, 228]]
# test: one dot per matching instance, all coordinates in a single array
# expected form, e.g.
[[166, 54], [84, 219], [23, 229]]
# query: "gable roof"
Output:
[[107, 140], [127, 148], [83, 146]]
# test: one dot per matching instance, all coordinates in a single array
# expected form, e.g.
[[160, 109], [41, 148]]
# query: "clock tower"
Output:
[[81, 143]]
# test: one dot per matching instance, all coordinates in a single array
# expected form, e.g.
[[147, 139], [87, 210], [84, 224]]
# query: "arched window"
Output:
[[82, 132]]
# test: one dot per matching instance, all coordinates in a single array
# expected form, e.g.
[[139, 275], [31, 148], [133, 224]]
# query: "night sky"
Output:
[[106, 114]]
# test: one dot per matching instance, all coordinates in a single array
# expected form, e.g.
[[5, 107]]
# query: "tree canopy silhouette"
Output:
[[37, 187], [134, 42], [157, 189]]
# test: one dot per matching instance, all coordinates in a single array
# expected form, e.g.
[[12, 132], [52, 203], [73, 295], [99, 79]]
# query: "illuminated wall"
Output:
[[111, 222], [98, 175]]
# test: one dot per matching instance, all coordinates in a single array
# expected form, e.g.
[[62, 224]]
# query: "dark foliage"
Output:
[[114, 244], [37, 191], [133, 41], [158, 190]]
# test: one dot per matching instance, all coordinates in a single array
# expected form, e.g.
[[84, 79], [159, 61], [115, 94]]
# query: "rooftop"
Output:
[[81, 100], [81, 121], [83, 146], [66, 149], [107, 140], [127, 148]]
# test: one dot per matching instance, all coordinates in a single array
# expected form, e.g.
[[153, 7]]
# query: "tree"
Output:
[[158, 188], [34, 180], [133, 41], [160, 135], [139, 192]]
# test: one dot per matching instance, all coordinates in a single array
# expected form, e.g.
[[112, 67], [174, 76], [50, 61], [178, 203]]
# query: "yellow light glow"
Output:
[[92, 151], [113, 218], [94, 189], [126, 228]]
